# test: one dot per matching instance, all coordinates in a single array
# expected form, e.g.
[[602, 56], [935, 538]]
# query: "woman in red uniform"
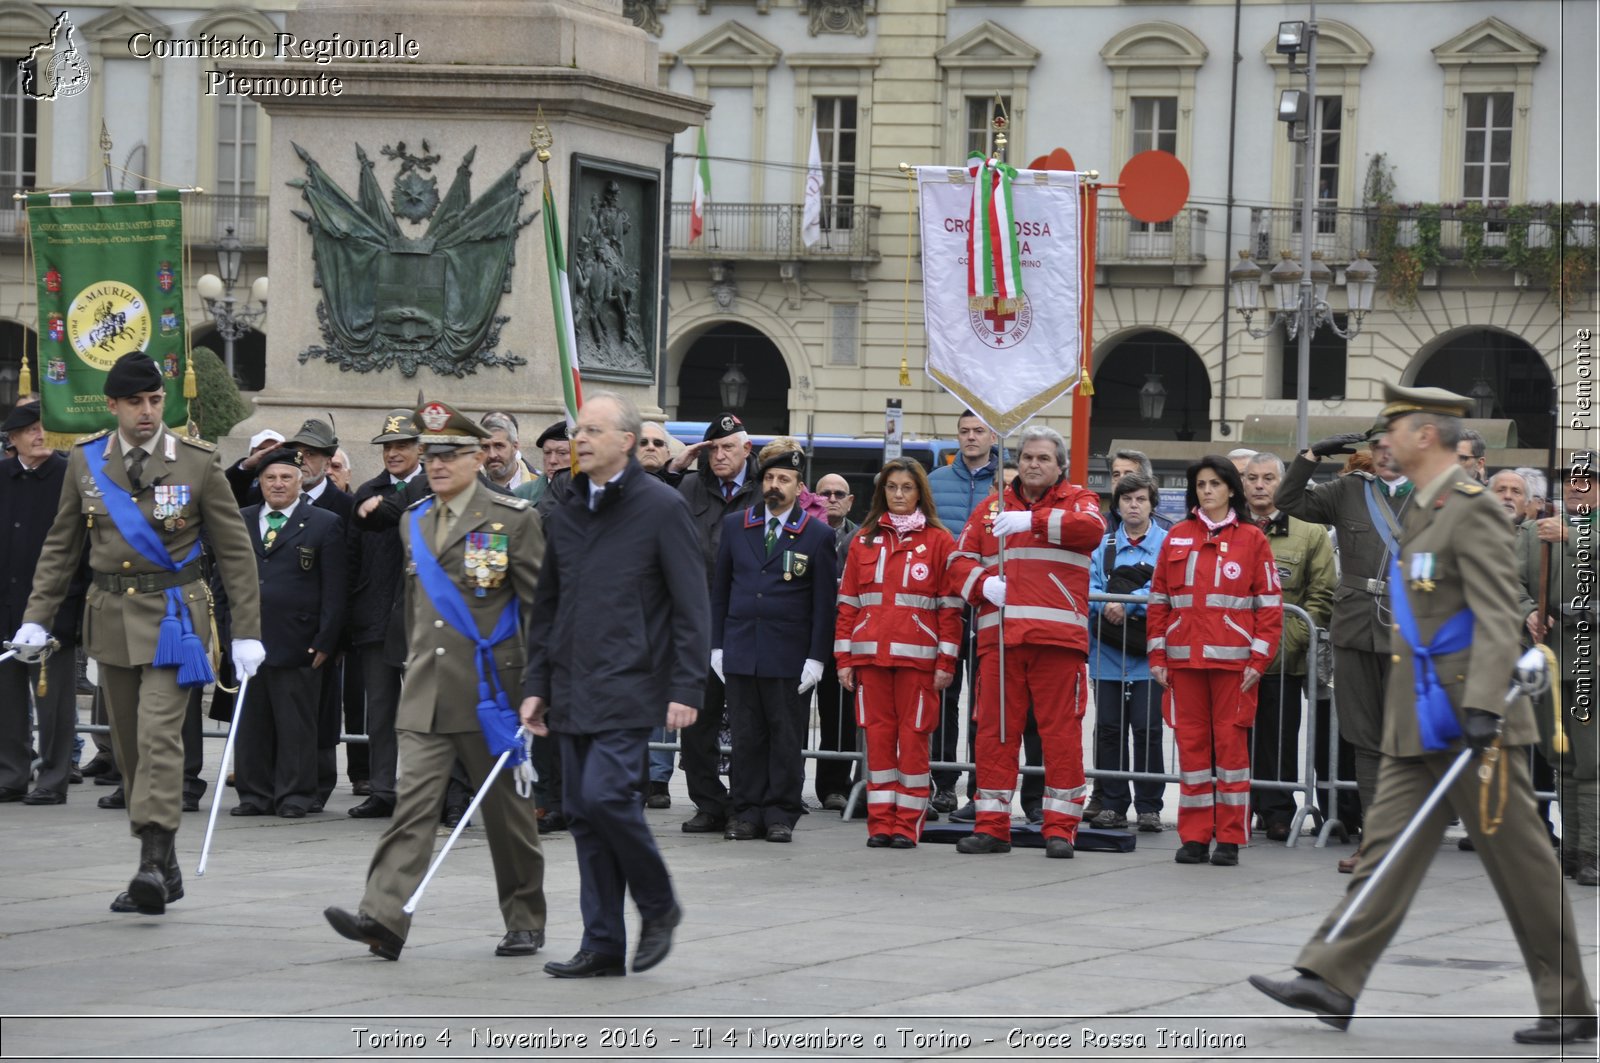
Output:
[[1215, 615], [896, 640]]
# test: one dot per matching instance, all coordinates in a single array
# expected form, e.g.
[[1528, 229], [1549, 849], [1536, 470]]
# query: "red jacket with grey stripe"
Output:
[[1215, 601], [896, 609], [1047, 569]]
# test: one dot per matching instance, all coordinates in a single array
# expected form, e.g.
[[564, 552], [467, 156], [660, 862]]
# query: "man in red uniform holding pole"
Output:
[[1050, 527]]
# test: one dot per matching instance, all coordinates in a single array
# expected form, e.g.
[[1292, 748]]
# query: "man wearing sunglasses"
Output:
[[655, 451]]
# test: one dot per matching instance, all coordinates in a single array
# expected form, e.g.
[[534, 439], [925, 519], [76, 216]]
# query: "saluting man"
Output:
[[472, 561], [1454, 645], [140, 495]]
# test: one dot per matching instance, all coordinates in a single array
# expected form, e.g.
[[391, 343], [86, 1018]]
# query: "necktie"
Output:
[[275, 523], [400, 488], [441, 529], [772, 533], [727, 492], [136, 458]]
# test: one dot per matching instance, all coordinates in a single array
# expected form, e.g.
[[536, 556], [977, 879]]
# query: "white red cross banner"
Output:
[[1006, 367]]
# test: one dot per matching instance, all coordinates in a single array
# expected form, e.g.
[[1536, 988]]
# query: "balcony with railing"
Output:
[[1459, 234], [773, 231], [205, 218], [1121, 240]]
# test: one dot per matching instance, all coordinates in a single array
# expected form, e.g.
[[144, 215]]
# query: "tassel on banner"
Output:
[[1558, 738], [1085, 384], [905, 373], [24, 379], [191, 386]]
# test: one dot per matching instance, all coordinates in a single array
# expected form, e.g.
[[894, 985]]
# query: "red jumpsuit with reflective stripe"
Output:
[[1047, 645], [898, 622], [1215, 609]]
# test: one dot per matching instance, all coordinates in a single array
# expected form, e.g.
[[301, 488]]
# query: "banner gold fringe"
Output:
[[63, 440], [1558, 738]]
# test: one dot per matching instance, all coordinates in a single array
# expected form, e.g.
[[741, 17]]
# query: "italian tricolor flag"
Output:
[[994, 269], [702, 191], [561, 301]]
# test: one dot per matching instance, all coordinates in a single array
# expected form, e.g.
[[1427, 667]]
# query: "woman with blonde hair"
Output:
[[896, 639]]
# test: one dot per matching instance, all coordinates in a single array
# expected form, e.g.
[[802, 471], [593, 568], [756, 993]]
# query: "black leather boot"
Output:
[[174, 883], [148, 888]]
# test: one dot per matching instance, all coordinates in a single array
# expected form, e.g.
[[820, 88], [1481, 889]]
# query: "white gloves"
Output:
[[1012, 522], [994, 589], [810, 674], [30, 642], [716, 665], [247, 656]]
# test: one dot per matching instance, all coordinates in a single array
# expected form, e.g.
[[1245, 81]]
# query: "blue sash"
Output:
[[177, 645], [1435, 717], [1383, 521], [496, 717]]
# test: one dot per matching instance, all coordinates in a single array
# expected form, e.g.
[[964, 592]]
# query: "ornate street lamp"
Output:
[[734, 386], [232, 320], [1152, 398]]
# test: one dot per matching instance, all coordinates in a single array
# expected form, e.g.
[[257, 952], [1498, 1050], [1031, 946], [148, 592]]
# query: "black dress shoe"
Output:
[[99, 764], [74, 776], [585, 964], [742, 831], [371, 808], [1310, 993], [1557, 1031], [361, 787], [115, 799], [902, 841], [247, 810], [361, 927], [878, 841], [551, 822], [453, 813], [109, 778], [520, 943], [291, 812], [44, 797], [982, 843], [780, 832], [191, 802], [704, 823], [655, 939], [10, 793]]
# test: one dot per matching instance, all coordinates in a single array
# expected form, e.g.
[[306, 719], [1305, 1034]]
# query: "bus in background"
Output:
[[858, 460]]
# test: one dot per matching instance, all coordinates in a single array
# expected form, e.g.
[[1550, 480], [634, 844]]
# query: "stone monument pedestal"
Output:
[[397, 259]]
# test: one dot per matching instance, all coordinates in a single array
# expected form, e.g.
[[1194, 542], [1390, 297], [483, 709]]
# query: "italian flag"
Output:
[[561, 302], [994, 268], [702, 191]]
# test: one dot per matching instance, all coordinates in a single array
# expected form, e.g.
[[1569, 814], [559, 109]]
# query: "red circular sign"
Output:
[[1059, 159], [1155, 186]]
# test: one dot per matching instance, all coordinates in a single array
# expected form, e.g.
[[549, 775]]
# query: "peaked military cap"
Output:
[[283, 456], [442, 425], [793, 460], [133, 374], [21, 417], [398, 427], [316, 434], [1398, 401], [723, 424]]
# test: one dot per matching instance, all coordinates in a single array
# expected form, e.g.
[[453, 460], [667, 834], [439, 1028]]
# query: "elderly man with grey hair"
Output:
[[1049, 527], [1533, 507], [1240, 456], [1510, 489]]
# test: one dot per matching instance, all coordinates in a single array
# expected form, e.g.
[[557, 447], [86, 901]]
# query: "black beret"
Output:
[[723, 424], [21, 417], [555, 431], [133, 374], [282, 456], [792, 460]]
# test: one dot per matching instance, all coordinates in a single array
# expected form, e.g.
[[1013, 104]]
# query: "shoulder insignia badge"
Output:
[[1469, 488], [198, 443], [510, 501], [90, 439]]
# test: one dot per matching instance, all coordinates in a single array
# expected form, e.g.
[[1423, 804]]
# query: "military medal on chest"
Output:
[[485, 561], [1422, 572], [170, 499]]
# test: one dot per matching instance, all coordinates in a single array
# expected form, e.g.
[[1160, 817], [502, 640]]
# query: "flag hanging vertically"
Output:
[[994, 271], [702, 191], [1006, 353], [811, 216], [109, 281], [561, 306]]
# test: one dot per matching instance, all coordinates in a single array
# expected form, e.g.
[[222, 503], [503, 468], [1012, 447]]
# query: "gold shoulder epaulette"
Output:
[[198, 443], [90, 439], [511, 501], [1469, 488]]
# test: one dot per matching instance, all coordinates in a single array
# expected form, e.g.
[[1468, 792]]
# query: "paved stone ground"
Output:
[[930, 950]]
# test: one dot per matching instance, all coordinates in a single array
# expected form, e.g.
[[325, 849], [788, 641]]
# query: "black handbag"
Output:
[[1132, 635]]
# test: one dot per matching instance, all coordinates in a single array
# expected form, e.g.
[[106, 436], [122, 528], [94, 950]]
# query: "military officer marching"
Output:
[[472, 561], [1454, 643], [140, 495]]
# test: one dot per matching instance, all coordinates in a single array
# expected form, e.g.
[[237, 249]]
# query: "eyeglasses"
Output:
[[445, 459], [834, 494], [662, 443]]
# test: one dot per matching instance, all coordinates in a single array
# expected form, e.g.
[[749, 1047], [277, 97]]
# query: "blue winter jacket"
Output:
[[1107, 661], [957, 490]]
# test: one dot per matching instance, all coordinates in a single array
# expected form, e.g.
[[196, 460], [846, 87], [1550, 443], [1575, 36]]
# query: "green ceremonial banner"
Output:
[[110, 280]]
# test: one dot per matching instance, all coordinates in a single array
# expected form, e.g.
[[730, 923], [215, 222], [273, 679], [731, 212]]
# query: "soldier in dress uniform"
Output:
[[140, 495], [467, 548], [1365, 509], [1455, 595]]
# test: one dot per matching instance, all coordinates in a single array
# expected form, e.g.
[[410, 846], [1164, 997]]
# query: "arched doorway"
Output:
[[765, 410], [15, 341], [1145, 358], [1518, 380], [249, 356]]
